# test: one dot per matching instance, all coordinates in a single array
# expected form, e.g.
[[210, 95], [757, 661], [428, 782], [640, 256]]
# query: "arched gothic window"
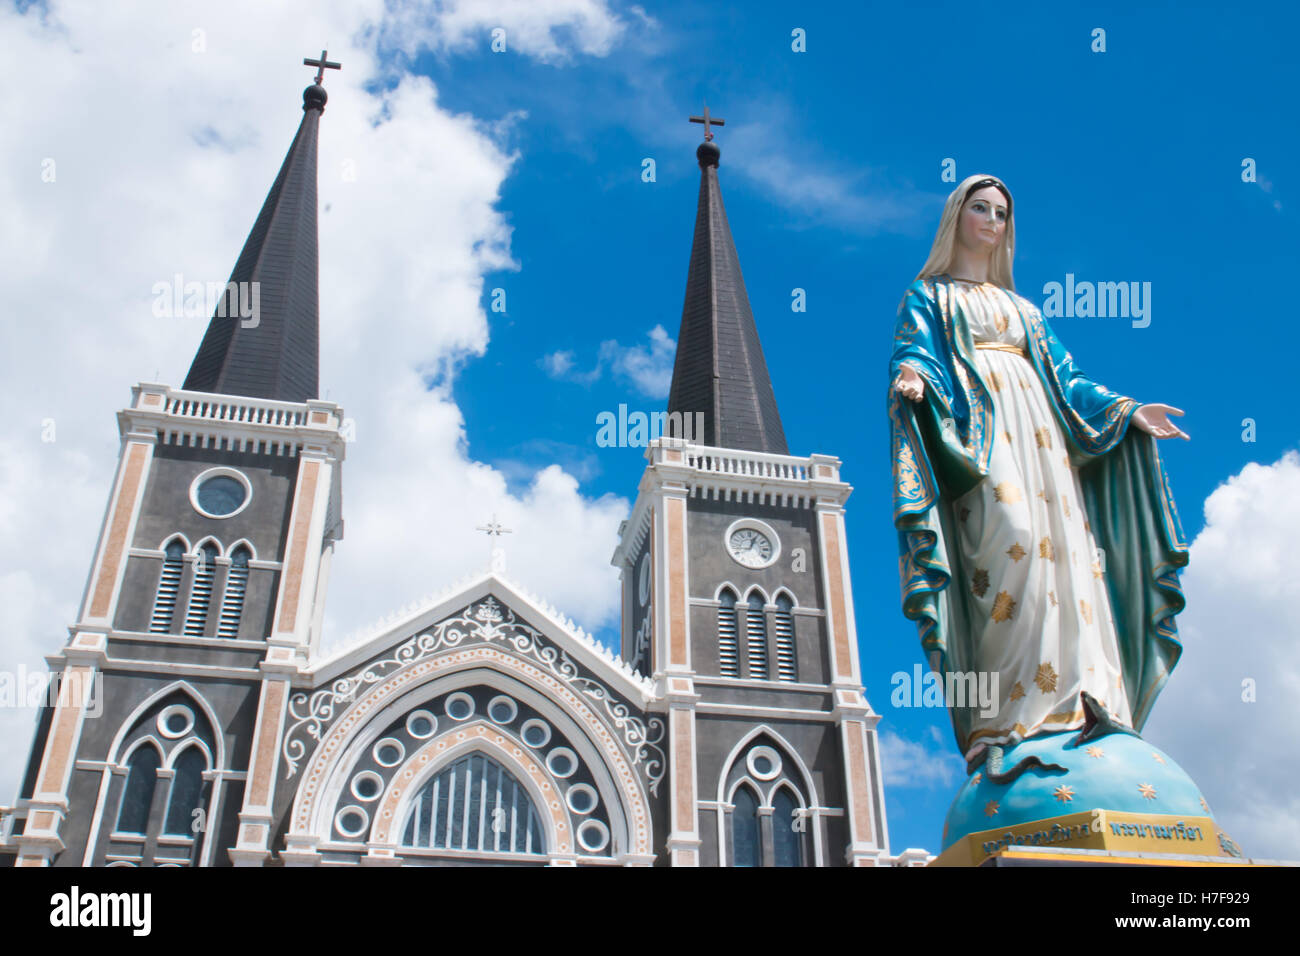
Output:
[[756, 630], [787, 663], [746, 836], [475, 804], [767, 819], [788, 827], [137, 796], [169, 582], [187, 792], [205, 569], [728, 646], [232, 604]]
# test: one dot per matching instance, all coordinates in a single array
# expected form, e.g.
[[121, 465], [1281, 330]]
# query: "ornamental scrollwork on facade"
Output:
[[492, 622]]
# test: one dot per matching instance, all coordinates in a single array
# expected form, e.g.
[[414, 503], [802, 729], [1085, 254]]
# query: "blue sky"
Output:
[[522, 171], [1125, 166]]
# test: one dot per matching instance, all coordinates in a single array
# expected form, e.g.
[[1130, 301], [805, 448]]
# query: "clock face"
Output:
[[643, 580], [750, 547]]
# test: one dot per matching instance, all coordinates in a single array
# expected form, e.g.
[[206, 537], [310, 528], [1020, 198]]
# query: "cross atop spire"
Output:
[[708, 121], [494, 528], [322, 65]]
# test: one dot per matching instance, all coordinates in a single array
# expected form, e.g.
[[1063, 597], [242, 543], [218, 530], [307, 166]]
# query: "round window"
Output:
[[764, 763], [220, 493]]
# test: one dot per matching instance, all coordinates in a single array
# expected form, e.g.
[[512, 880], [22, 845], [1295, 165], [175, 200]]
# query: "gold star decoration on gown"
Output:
[[995, 380], [980, 582], [1024, 383], [1017, 691], [1064, 793], [1159, 759], [1052, 596], [1007, 436], [1095, 751], [1065, 503], [1004, 606], [990, 808], [1096, 569], [1046, 498], [1147, 790], [1043, 436], [1001, 323], [1007, 493], [1046, 677], [1016, 552], [1045, 549], [1066, 459], [1086, 610]]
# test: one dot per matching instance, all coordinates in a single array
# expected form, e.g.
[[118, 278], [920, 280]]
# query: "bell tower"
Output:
[[737, 600], [207, 585]]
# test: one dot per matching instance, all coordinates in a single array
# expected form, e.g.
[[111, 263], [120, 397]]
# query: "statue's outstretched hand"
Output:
[[1154, 420], [909, 384]]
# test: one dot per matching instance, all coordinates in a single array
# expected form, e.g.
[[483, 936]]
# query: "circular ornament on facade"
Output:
[[421, 724], [643, 580], [175, 721], [764, 763], [351, 821], [536, 733], [221, 493], [593, 836], [460, 706], [367, 785], [388, 752], [581, 798], [752, 543], [502, 710], [562, 762]]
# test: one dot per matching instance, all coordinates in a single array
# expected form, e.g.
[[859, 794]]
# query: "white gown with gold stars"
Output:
[[1034, 586]]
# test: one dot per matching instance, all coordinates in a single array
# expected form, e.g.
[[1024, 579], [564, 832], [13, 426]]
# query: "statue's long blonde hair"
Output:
[[945, 241]]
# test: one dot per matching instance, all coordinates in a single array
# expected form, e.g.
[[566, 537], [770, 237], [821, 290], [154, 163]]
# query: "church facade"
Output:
[[198, 724]]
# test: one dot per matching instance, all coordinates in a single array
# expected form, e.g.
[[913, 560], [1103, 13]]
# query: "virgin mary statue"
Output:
[[1037, 535]]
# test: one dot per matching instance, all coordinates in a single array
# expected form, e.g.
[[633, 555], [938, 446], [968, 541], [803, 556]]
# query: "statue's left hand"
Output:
[[1154, 420]]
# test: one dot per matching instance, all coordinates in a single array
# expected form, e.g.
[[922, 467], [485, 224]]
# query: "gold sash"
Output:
[[1003, 347]]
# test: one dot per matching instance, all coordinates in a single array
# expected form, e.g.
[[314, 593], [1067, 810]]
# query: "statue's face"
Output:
[[983, 220]]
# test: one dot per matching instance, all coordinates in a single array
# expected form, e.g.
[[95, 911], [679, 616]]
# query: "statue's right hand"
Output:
[[909, 384]]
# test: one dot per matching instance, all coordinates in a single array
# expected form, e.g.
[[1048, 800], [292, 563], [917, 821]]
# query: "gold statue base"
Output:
[[1097, 836]]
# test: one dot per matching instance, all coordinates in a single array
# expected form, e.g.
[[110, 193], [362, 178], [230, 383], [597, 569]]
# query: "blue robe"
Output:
[[1126, 493]]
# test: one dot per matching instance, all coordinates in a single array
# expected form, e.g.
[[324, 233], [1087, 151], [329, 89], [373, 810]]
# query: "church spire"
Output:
[[720, 369], [263, 341]]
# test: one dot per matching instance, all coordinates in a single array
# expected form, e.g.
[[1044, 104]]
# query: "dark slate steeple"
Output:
[[719, 368], [276, 354]]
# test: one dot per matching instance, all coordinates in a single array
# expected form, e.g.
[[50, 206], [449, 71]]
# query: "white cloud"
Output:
[[1240, 625], [162, 158], [816, 189], [557, 364], [647, 368], [909, 763], [549, 30]]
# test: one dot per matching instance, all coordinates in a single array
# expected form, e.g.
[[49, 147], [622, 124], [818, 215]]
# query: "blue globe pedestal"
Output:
[[1116, 792]]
